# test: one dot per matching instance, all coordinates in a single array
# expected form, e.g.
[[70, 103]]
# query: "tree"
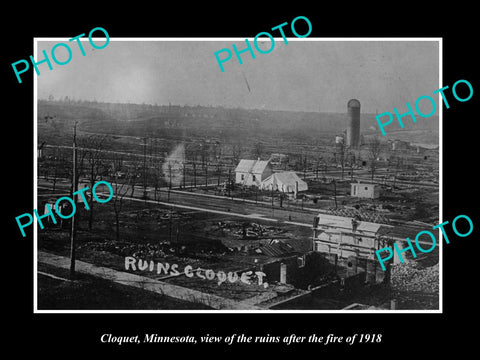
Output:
[[398, 164], [258, 150], [120, 191], [352, 163], [157, 176], [340, 150], [304, 164], [133, 176], [317, 165], [204, 152], [236, 153], [93, 162], [51, 167], [375, 148]]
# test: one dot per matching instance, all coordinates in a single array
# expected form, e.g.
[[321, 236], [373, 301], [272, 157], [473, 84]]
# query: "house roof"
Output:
[[260, 166], [362, 184], [252, 166], [285, 180]]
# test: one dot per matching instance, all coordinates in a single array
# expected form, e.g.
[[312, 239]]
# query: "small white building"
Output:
[[252, 172], [369, 191]]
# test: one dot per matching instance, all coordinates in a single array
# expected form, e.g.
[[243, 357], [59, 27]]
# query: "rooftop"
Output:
[[342, 224], [252, 166]]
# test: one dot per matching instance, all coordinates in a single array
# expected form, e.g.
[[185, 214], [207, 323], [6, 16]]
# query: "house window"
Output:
[[243, 177], [366, 187], [253, 177]]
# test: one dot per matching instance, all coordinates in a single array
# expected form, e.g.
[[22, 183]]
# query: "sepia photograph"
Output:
[[238, 175]]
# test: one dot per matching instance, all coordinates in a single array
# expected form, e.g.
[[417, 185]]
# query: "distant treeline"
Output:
[[125, 118]]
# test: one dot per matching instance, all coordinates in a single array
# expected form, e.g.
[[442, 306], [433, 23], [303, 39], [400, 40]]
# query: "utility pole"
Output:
[[194, 174], [352, 162], [272, 195], [144, 169], [229, 181], [206, 176], [170, 226], [395, 175], [170, 179], [184, 164], [272, 201], [73, 232], [305, 167], [335, 192]]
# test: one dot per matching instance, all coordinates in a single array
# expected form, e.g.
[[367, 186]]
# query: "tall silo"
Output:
[[353, 126]]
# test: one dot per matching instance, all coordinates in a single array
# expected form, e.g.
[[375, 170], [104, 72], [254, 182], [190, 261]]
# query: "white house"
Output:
[[252, 172], [369, 191], [285, 181]]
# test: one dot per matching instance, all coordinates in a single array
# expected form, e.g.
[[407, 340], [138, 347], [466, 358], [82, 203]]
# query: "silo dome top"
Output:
[[354, 103]]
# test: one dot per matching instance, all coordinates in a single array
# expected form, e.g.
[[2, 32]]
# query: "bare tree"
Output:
[[340, 155], [120, 190], [398, 164], [317, 165], [375, 148], [304, 164], [258, 150], [132, 175], [204, 152], [157, 176], [94, 164], [52, 167], [352, 163], [236, 153]]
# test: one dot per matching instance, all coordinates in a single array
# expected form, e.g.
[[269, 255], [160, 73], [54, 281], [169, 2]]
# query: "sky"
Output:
[[307, 74]]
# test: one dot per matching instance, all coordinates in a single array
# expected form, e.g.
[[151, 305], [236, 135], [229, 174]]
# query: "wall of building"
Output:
[[249, 177], [365, 191]]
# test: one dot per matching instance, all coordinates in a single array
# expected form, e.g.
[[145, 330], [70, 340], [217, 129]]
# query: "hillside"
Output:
[[138, 119]]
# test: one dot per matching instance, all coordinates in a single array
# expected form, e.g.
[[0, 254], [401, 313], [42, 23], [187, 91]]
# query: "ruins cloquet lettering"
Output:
[[205, 274]]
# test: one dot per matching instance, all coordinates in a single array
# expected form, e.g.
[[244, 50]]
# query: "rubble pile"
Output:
[[157, 214], [249, 230], [412, 277], [126, 249], [151, 251]]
